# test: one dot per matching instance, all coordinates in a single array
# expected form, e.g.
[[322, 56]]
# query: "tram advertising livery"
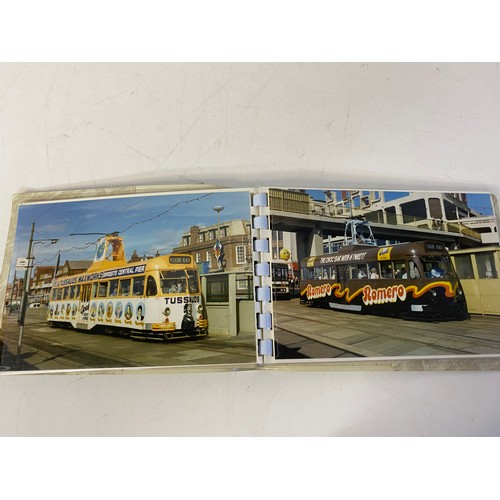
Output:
[[155, 298], [410, 280]]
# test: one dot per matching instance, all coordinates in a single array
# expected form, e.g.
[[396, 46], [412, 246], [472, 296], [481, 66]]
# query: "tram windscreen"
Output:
[[179, 281], [280, 272], [436, 267]]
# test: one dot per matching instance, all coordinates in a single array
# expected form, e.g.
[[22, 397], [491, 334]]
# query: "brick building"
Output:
[[235, 236]]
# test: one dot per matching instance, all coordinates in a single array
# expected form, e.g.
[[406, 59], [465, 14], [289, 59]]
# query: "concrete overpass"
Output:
[[311, 229]]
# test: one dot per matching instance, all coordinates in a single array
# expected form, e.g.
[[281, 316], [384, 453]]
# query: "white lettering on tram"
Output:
[[383, 295]]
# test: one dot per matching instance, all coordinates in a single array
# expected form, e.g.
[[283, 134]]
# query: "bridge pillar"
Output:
[[309, 243]]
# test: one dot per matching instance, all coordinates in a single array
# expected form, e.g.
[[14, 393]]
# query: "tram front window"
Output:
[[436, 267], [193, 282], [173, 281]]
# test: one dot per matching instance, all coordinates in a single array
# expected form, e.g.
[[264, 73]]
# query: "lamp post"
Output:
[[24, 301], [218, 248]]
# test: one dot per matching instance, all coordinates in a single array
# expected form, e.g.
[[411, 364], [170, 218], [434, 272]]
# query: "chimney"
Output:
[[195, 234]]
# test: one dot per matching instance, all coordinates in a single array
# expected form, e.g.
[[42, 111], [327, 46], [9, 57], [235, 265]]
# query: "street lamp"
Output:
[[218, 247], [24, 302], [218, 209]]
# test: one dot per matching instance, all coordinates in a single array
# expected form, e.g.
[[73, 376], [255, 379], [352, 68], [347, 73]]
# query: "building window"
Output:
[[413, 211], [186, 240], [223, 232], [211, 234], [391, 215], [241, 254], [202, 237], [435, 209], [450, 210], [197, 258], [217, 288], [208, 258]]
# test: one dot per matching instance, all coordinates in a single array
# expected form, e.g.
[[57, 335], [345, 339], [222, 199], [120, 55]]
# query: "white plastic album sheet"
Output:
[[198, 277]]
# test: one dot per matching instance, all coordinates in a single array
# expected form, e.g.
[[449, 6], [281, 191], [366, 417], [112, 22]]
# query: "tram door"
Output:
[[83, 312], [342, 277]]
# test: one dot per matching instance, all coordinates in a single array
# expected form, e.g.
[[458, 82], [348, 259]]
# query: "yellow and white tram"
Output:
[[156, 298]]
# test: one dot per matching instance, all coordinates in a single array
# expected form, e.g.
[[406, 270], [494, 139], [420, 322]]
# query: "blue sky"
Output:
[[171, 216]]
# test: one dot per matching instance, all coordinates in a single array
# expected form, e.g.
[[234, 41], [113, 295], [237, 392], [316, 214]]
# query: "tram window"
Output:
[[464, 268], [436, 267], [374, 271], [173, 281], [333, 273], [353, 271], [151, 288], [77, 291], [102, 290], [113, 288], [124, 287], [386, 270], [59, 293], [362, 272], [486, 265], [400, 269], [94, 289], [138, 287], [193, 283], [65, 292], [414, 272], [307, 273]]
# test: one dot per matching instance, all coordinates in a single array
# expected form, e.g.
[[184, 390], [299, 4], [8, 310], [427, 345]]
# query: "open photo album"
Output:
[[214, 278]]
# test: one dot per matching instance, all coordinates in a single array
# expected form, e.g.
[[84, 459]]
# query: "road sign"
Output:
[[22, 263]]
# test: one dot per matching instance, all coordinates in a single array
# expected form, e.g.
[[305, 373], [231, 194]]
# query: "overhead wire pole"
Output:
[[24, 301]]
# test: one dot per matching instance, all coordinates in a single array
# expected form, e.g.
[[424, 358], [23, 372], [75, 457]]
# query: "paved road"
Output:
[[46, 348], [344, 334]]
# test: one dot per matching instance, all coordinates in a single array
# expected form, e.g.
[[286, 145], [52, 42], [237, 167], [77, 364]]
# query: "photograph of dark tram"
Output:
[[409, 280], [378, 276]]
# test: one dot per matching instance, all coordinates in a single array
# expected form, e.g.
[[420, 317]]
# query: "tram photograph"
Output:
[[386, 274], [155, 279], [157, 298], [409, 280]]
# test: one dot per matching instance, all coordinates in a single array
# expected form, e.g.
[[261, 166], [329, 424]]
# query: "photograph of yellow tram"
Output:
[[478, 270], [156, 298], [410, 280]]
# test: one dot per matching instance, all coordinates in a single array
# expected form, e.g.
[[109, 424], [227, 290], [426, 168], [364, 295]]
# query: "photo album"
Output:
[[204, 277]]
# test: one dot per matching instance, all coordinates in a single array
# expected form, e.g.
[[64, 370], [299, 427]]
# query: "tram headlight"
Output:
[[433, 293], [460, 292], [200, 310]]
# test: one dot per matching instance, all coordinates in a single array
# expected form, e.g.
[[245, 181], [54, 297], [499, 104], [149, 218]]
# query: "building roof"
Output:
[[78, 264]]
